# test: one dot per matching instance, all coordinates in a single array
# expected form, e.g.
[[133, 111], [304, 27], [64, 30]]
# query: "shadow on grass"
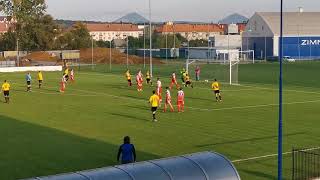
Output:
[[131, 116], [259, 174], [250, 139], [143, 108], [203, 99], [29, 150]]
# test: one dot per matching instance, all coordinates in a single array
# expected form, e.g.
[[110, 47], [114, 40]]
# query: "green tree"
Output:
[[76, 38]]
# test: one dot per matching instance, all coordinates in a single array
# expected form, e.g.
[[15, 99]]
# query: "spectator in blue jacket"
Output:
[[127, 152]]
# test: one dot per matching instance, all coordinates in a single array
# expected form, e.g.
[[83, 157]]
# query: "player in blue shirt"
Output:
[[28, 79], [127, 152]]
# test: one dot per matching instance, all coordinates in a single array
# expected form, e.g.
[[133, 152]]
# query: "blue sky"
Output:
[[166, 10]]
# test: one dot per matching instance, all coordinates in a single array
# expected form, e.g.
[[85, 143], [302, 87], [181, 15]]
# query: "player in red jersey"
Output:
[[168, 101], [72, 75], [174, 81], [63, 84], [139, 82], [180, 100], [159, 89]]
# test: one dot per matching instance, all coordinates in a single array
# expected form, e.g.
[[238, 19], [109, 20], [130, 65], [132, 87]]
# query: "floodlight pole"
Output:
[[150, 35], [144, 45], [188, 58], [166, 44], [127, 52], [230, 64], [280, 95], [110, 60], [92, 52]]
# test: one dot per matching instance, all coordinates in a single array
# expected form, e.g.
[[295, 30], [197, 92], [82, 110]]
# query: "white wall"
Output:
[[222, 41], [111, 35], [31, 68]]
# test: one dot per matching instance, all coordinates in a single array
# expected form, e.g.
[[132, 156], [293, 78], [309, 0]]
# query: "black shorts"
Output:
[[188, 82], [153, 109], [148, 79], [6, 93], [67, 76], [40, 81], [28, 82], [217, 91], [129, 80]]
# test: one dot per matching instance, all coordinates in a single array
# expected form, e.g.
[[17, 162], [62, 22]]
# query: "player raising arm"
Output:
[[168, 101], [154, 102], [5, 89], [180, 100], [216, 89]]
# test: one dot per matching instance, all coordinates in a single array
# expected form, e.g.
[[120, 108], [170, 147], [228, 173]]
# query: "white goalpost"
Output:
[[224, 65], [244, 57]]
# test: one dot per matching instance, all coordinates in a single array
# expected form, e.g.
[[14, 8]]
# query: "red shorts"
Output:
[[180, 102]]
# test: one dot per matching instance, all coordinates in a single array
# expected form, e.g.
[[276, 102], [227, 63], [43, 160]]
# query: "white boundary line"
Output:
[[269, 155], [189, 107]]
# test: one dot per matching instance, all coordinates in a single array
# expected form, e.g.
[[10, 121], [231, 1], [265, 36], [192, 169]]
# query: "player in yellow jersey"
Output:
[[216, 89], [188, 81], [5, 89], [148, 78], [66, 74], [154, 102], [40, 79], [128, 76]]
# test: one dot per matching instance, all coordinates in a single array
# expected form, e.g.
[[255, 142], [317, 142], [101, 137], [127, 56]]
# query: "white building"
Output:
[[109, 32], [301, 35]]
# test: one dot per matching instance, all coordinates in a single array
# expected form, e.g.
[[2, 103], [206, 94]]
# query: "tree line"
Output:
[[35, 30]]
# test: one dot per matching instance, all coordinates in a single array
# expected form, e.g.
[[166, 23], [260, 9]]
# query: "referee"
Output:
[[154, 102], [28, 79]]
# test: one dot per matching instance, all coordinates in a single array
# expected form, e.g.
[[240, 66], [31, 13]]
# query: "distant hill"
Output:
[[69, 23], [234, 18], [134, 18]]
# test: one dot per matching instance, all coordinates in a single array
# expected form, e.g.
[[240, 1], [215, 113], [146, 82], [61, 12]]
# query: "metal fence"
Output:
[[306, 164]]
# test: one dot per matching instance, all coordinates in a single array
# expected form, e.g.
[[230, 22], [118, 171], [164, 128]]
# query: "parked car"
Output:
[[288, 59]]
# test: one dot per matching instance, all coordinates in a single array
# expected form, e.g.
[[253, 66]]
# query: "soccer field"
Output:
[[45, 132]]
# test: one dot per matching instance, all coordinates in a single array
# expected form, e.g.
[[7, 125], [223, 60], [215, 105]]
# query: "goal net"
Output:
[[224, 67]]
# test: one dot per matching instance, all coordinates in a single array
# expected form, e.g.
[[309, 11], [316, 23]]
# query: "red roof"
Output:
[[112, 27], [190, 28]]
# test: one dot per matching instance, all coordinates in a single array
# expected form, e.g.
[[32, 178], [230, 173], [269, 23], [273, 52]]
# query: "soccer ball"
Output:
[[206, 80]]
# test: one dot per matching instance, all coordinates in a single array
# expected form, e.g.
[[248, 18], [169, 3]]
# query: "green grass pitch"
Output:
[[45, 132]]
